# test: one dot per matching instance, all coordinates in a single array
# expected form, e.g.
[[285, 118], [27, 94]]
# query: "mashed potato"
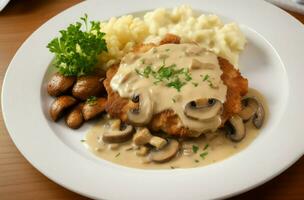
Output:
[[122, 34]]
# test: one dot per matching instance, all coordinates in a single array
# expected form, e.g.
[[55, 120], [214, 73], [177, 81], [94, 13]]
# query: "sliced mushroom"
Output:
[[93, 109], [60, 105], [203, 109], [122, 134], [87, 86], [165, 154], [75, 118], [235, 128], [252, 108], [60, 84], [143, 114]]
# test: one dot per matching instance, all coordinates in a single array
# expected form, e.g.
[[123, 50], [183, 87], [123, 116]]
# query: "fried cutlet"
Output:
[[167, 121]]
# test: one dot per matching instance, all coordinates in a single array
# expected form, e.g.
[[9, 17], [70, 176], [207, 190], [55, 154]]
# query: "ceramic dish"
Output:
[[272, 61]]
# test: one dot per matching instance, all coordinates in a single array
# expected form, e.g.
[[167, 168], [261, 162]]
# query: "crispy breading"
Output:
[[167, 121], [237, 86]]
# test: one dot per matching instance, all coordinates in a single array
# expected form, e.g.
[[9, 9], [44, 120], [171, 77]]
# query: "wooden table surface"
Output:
[[19, 180]]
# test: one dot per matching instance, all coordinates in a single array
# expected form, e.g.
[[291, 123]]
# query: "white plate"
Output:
[[273, 62]]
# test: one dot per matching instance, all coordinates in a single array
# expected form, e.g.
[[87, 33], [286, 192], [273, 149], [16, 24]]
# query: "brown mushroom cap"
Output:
[[235, 128], [60, 105], [60, 84], [75, 118], [166, 153], [203, 109], [93, 109], [87, 86]]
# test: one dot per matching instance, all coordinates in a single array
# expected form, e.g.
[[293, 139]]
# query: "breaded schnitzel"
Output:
[[168, 121]]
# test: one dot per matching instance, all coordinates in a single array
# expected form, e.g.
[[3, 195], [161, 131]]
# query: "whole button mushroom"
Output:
[[75, 118], [93, 108], [60, 105], [60, 84], [87, 86]]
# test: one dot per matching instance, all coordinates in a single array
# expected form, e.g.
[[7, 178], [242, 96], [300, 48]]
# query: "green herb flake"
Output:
[[206, 147], [76, 50], [92, 100], [204, 154], [82, 140], [196, 161], [167, 50], [206, 77], [143, 61], [177, 84], [117, 155], [172, 167], [195, 148], [174, 101]]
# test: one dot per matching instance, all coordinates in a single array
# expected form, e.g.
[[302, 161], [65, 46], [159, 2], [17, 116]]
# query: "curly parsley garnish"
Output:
[[76, 50]]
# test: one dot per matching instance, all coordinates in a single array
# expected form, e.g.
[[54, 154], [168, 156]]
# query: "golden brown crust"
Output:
[[237, 86]]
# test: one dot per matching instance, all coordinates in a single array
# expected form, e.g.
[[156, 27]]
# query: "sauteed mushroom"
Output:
[[119, 134], [60, 84], [252, 108], [235, 128], [165, 154], [93, 109], [203, 109], [143, 114], [87, 86], [75, 118], [60, 105]]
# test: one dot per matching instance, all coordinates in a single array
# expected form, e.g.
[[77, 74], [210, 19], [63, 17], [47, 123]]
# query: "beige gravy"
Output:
[[197, 70], [212, 146]]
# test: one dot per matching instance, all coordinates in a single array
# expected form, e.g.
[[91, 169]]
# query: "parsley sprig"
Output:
[[76, 50]]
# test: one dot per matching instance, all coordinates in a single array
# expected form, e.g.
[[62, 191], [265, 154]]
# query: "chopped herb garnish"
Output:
[[196, 161], [143, 61], [177, 84], [91, 100], [204, 154], [195, 84], [206, 147], [195, 148], [174, 101], [117, 155], [206, 77], [169, 75], [210, 84], [172, 167], [82, 140], [76, 50], [167, 50]]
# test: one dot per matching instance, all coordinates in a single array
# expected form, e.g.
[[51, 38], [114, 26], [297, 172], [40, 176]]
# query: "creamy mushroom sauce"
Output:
[[202, 67], [214, 146]]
